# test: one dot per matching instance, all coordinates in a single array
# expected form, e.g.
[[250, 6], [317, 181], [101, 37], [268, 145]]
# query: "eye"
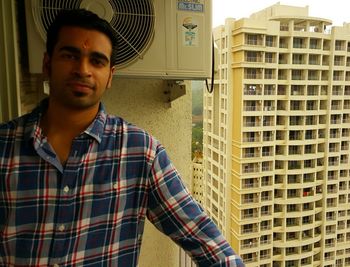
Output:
[[98, 62], [69, 56]]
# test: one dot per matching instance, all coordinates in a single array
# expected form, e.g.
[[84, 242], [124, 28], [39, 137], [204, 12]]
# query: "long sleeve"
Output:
[[174, 212]]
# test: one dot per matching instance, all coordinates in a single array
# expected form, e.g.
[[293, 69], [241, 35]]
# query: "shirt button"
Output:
[[66, 189], [115, 186], [61, 228]]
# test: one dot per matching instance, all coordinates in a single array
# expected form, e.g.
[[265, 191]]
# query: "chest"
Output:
[[91, 184]]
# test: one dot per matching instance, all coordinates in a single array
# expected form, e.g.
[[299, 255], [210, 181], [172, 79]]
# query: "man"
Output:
[[76, 184]]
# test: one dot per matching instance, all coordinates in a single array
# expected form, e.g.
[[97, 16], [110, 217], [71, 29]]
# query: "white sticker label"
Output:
[[190, 32]]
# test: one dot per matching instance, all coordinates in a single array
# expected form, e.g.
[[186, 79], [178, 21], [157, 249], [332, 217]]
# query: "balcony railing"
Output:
[[267, 138], [250, 185], [253, 42], [284, 27], [330, 244], [253, 59], [250, 170], [249, 216], [265, 228], [266, 198], [269, 92], [297, 77], [339, 48], [250, 200], [253, 76], [249, 245], [269, 76], [252, 92], [250, 230], [251, 139], [251, 124], [250, 108]]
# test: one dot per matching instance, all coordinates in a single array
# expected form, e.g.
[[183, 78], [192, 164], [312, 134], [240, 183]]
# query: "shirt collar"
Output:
[[96, 128], [32, 129]]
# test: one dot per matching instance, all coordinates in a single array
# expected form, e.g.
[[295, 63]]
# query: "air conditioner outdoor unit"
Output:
[[168, 39]]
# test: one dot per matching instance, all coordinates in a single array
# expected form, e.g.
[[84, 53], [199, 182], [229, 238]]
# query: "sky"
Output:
[[336, 10]]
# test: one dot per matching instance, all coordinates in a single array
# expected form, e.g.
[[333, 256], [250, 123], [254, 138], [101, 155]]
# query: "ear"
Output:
[[46, 65], [110, 78]]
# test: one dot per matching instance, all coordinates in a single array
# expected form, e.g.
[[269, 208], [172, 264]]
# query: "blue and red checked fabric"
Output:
[[92, 210]]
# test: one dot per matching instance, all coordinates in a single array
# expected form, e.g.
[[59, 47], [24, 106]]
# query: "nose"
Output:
[[82, 67]]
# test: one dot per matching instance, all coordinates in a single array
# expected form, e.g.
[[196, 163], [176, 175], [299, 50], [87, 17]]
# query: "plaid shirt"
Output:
[[91, 212]]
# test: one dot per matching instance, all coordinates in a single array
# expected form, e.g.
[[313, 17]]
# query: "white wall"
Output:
[[142, 102]]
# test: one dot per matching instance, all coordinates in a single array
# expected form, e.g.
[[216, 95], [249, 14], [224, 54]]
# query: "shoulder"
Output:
[[12, 127], [11, 133], [131, 136], [19, 124], [4, 126]]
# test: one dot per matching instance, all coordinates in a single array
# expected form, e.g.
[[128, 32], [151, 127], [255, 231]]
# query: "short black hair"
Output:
[[84, 19]]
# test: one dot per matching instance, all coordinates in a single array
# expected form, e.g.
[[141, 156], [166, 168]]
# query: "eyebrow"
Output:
[[76, 50]]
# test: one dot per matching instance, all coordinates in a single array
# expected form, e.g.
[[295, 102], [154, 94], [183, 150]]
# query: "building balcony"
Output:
[[250, 245], [339, 48], [269, 92], [250, 185], [269, 76], [251, 139], [250, 216], [252, 76], [248, 259], [330, 244], [331, 218], [266, 213], [337, 78], [250, 200], [298, 77], [253, 42], [270, 60], [267, 154], [251, 124], [338, 63], [252, 91], [314, 62], [251, 155], [266, 228], [253, 59], [250, 230], [265, 257], [252, 108], [284, 27]]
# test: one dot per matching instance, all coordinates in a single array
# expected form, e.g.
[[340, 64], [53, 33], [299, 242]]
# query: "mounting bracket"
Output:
[[173, 90]]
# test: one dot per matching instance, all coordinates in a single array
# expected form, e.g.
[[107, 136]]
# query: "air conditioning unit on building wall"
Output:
[[168, 39]]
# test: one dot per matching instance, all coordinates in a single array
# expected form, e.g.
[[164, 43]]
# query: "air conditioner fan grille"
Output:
[[133, 22]]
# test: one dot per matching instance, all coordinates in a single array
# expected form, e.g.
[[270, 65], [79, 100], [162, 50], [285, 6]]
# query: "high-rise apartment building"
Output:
[[276, 138], [197, 178]]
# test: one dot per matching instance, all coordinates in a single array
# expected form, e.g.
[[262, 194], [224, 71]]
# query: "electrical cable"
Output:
[[212, 69]]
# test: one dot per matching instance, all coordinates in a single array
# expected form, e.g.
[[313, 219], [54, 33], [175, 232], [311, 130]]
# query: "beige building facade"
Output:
[[276, 139], [197, 179]]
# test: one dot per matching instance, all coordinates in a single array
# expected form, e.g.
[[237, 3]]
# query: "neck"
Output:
[[60, 119]]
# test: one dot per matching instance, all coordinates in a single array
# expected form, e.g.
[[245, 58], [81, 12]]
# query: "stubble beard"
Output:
[[75, 100]]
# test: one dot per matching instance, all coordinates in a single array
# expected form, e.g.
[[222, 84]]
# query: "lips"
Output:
[[80, 87]]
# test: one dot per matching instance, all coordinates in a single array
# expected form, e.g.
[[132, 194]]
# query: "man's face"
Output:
[[79, 69]]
